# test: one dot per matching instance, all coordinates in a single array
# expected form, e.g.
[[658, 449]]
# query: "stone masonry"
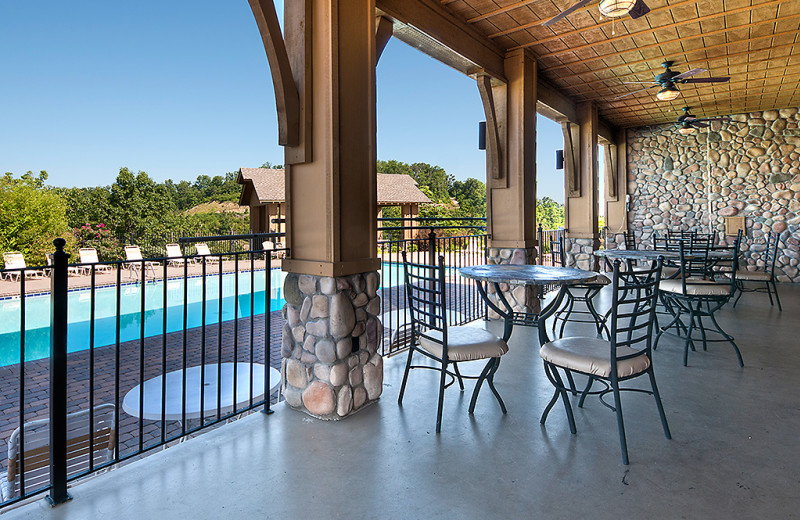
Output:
[[580, 252], [330, 366], [746, 167], [521, 297]]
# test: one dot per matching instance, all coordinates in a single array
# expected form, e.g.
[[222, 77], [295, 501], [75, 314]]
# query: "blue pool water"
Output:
[[37, 310]]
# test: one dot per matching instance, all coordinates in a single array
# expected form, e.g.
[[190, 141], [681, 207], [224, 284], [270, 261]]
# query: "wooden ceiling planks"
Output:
[[756, 42]]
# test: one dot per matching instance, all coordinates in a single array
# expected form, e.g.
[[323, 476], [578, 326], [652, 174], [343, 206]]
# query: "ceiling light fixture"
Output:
[[616, 8], [668, 93]]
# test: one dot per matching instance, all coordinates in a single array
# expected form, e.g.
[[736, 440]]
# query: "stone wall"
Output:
[[330, 365], [749, 167], [580, 253], [522, 298]]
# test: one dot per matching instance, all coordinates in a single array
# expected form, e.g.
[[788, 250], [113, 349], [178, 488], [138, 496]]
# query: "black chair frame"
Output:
[[770, 258]]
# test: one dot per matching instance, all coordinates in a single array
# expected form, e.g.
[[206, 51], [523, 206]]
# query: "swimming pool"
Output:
[[37, 310]]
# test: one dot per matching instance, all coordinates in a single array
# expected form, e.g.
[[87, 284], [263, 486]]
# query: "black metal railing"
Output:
[[462, 242], [112, 373]]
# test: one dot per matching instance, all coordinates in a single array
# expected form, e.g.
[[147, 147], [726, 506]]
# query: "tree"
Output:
[[31, 216], [549, 213], [471, 197]]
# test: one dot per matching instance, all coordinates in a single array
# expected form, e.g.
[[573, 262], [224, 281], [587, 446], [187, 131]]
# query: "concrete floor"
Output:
[[734, 454]]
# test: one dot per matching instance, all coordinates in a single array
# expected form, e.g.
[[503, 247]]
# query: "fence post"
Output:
[[540, 252], [432, 247], [58, 376]]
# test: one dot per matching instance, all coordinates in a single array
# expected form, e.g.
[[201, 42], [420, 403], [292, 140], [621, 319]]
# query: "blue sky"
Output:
[[180, 88]]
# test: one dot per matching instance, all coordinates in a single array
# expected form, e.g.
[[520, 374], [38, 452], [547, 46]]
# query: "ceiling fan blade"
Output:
[[699, 125], [567, 11], [637, 82], [639, 9], [689, 73], [634, 92], [706, 80]]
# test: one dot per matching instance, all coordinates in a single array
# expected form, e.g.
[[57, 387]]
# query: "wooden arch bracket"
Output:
[[287, 98], [494, 100], [383, 33], [572, 158]]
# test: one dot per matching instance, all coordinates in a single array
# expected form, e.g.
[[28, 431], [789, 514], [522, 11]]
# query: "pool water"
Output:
[[37, 310]]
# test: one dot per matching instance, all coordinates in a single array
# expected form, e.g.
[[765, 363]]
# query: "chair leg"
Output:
[[620, 423], [490, 380], [777, 298], [769, 293], [585, 392], [565, 400], [570, 306], [478, 385], [659, 405], [442, 380], [405, 376], [688, 339], [458, 376], [600, 323], [727, 337], [740, 288]]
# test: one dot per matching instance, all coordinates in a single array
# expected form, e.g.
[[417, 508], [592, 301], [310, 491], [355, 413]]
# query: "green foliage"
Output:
[[549, 213], [101, 238], [471, 197], [31, 216]]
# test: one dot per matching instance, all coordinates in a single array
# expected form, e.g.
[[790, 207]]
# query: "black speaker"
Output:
[[559, 159], [482, 135]]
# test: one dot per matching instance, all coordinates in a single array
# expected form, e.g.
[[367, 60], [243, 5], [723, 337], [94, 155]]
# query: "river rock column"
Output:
[[523, 298], [331, 367]]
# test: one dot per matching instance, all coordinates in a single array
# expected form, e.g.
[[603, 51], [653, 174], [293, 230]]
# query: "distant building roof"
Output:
[[270, 186]]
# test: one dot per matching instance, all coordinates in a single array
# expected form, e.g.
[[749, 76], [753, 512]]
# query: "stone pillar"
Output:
[[511, 184], [581, 210], [331, 367]]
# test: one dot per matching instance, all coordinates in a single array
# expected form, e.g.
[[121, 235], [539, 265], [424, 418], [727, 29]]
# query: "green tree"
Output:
[[471, 197], [31, 216], [87, 205], [549, 213]]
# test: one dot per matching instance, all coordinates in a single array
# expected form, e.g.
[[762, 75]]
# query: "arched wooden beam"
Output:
[[383, 33], [287, 99]]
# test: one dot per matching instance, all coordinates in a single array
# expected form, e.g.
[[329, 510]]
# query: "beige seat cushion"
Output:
[[696, 287], [465, 344], [753, 276], [599, 279], [592, 356]]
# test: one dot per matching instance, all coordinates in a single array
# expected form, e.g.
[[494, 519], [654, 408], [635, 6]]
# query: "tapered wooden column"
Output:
[[511, 170], [616, 188], [331, 193], [581, 211]]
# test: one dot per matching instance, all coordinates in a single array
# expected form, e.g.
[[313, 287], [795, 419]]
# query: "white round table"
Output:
[[173, 401]]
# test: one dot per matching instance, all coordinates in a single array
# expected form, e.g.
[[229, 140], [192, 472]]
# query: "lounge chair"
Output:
[[204, 252], [15, 260], [35, 470], [134, 260], [175, 255], [89, 256]]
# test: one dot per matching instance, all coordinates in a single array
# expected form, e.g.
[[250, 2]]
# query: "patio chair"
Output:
[[32, 468], [625, 355], [175, 256], [88, 257], [444, 344], [630, 241], [765, 275], [583, 292], [205, 253], [135, 262], [16, 260], [697, 293]]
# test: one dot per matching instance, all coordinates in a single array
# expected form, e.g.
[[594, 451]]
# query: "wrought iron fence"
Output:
[[461, 241], [101, 363]]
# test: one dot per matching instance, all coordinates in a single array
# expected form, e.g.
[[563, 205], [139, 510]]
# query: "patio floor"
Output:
[[733, 454]]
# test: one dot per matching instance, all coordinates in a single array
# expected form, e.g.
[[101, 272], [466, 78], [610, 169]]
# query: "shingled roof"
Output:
[[270, 186]]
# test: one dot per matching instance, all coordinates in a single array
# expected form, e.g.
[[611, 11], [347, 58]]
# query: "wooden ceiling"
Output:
[[587, 56]]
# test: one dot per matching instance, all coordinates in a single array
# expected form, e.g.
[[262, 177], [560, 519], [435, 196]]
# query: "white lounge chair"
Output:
[[134, 260], [15, 260], [175, 255], [89, 256], [205, 252], [35, 467]]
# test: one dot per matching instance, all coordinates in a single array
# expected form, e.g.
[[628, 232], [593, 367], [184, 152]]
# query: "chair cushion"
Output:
[[465, 343], [592, 356], [696, 287], [753, 276], [599, 279]]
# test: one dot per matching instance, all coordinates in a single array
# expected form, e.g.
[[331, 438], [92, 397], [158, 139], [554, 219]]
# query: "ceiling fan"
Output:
[[688, 124], [610, 8], [669, 78]]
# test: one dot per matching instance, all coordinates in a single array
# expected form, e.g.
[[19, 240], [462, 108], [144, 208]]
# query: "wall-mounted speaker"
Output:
[[559, 159], [482, 135]]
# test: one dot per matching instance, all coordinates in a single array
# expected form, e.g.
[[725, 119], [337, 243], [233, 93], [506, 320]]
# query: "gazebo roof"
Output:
[[270, 186]]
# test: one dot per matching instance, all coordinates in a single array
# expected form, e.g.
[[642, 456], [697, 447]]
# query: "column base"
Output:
[[580, 252], [523, 298]]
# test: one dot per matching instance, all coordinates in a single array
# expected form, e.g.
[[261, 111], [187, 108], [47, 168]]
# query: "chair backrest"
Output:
[[133, 253], [267, 245], [202, 249], [630, 241], [174, 251], [425, 295], [88, 255], [32, 469], [773, 239], [560, 253], [14, 260], [633, 309]]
